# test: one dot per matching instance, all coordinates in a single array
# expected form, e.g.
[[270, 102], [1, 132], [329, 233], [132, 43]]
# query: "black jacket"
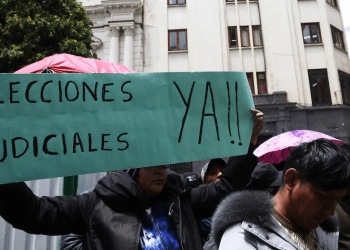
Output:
[[110, 216]]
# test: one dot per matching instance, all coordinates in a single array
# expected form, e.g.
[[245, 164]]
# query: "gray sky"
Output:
[[345, 11]]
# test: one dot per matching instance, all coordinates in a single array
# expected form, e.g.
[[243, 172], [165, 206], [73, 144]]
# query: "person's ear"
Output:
[[291, 177]]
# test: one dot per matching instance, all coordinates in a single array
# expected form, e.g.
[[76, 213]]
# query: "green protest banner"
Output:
[[70, 124]]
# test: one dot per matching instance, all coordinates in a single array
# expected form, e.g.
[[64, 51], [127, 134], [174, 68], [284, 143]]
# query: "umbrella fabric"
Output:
[[66, 63], [277, 149]]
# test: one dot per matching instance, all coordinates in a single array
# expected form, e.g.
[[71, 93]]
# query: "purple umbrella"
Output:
[[278, 148]]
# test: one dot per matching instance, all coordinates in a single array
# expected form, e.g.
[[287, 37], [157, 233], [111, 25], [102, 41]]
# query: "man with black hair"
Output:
[[300, 216], [346, 149], [146, 208]]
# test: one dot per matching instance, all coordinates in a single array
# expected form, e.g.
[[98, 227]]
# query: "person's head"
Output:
[[265, 177], [346, 150], [212, 171], [151, 179], [316, 175]]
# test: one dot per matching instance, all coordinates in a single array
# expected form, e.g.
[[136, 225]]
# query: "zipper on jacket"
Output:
[[181, 243], [160, 236], [171, 209]]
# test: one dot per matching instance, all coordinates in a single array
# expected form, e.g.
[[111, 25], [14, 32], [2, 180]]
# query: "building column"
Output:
[[107, 42], [129, 47], [114, 47]]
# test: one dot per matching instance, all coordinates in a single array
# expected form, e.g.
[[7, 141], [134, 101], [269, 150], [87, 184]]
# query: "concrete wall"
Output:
[[331, 120]]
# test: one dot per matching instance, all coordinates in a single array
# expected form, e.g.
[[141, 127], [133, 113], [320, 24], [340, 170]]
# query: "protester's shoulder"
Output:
[[88, 198], [175, 184], [235, 233], [242, 205], [176, 178], [249, 206]]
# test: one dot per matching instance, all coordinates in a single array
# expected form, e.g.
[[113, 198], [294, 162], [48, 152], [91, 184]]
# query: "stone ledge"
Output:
[[301, 108], [275, 98]]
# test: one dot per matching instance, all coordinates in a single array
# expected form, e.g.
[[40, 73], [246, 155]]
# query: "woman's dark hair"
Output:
[[322, 163]]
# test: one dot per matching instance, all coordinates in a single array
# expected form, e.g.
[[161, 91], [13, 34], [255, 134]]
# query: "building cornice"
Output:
[[113, 6]]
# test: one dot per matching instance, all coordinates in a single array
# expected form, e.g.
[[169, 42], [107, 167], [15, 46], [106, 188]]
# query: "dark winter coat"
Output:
[[245, 220], [110, 216]]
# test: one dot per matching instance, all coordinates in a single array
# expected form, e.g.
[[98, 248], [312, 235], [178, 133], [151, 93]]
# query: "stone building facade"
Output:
[[118, 32], [293, 51]]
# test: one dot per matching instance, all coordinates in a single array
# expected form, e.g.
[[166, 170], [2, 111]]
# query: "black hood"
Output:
[[120, 192]]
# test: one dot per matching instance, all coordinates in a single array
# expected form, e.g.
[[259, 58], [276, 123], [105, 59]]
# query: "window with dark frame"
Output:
[[337, 36], [257, 38], [176, 2], [311, 33], [230, 0], [344, 80], [333, 2], [177, 40], [245, 41], [319, 86], [232, 37], [262, 87], [250, 79]]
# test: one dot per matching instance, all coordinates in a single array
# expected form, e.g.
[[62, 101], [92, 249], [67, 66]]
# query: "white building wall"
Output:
[[248, 62], [334, 17], [334, 84], [259, 60], [177, 18], [243, 13], [254, 13], [204, 34], [280, 56], [156, 36], [342, 60], [315, 57], [284, 56], [231, 15], [308, 12], [178, 62]]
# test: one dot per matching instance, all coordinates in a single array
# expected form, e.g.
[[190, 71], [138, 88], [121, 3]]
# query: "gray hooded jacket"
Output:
[[246, 220]]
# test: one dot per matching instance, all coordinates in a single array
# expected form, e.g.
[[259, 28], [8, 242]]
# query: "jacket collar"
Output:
[[120, 192], [252, 207]]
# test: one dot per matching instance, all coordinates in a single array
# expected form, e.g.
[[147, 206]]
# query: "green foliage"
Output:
[[33, 30]]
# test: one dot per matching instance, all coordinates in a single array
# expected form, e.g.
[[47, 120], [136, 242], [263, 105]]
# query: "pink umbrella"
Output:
[[66, 63], [277, 149]]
